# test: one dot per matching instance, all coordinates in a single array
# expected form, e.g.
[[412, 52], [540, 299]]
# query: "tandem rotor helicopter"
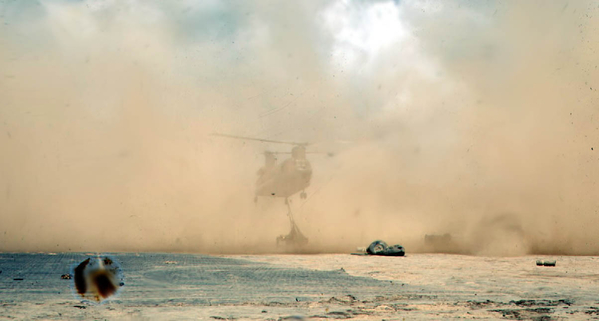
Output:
[[283, 180]]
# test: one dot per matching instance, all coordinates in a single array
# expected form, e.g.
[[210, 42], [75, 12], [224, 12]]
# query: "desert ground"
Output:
[[313, 287]]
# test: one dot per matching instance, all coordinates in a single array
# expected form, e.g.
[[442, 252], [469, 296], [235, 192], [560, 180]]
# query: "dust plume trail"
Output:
[[476, 119]]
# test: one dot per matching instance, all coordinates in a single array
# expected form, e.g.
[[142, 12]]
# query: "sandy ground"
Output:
[[458, 286], [294, 287]]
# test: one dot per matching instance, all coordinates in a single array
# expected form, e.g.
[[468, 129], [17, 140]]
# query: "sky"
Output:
[[477, 119]]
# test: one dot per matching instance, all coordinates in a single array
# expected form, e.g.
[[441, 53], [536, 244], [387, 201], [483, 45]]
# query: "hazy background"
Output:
[[479, 119]]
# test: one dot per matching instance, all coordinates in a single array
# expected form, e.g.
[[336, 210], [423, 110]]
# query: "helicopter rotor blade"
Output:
[[259, 139], [330, 154]]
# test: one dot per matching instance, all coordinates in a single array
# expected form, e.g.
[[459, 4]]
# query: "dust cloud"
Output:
[[476, 119]]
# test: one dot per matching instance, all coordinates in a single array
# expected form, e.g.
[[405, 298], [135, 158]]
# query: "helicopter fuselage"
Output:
[[284, 180]]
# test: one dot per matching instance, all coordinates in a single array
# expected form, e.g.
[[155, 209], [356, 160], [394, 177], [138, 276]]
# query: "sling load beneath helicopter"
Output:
[[286, 179]]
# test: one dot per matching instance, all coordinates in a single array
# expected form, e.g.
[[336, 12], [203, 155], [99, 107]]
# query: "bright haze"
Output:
[[477, 119]]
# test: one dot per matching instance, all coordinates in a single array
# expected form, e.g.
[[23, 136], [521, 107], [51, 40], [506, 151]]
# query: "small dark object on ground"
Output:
[[547, 303], [292, 317], [546, 263], [381, 248], [66, 276], [18, 279]]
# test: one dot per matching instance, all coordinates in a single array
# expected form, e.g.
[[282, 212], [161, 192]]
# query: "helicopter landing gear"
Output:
[[303, 195], [295, 236]]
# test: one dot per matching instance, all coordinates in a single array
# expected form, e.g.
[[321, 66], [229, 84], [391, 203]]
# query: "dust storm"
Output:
[[476, 119]]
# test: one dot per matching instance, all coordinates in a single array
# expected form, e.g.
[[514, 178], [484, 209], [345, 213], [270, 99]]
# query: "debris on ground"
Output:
[[546, 263], [382, 249]]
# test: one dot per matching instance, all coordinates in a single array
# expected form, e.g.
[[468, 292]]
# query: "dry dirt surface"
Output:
[[310, 287]]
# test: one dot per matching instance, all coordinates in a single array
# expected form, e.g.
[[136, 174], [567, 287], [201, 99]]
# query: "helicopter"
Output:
[[291, 176]]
